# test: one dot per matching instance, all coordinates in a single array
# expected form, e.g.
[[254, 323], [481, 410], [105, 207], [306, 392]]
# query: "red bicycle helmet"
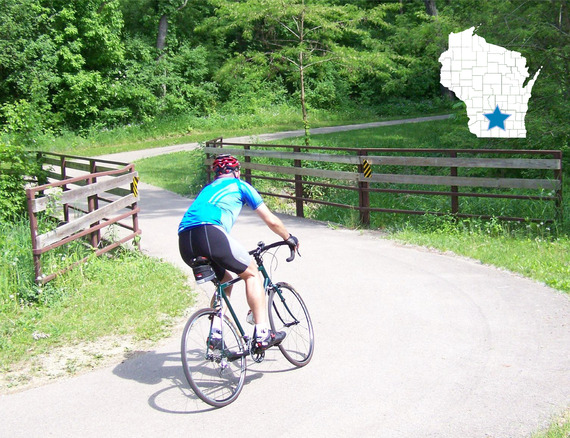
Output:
[[224, 164]]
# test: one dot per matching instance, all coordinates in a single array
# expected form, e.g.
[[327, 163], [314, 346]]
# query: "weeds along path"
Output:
[[409, 343]]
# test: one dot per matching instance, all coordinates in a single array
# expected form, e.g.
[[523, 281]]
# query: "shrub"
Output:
[[17, 167]]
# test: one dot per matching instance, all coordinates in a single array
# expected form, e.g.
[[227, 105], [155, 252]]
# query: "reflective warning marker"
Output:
[[366, 169], [134, 186]]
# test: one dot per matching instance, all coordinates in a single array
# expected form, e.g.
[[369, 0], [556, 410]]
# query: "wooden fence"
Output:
[[86, 195], [452, 173]]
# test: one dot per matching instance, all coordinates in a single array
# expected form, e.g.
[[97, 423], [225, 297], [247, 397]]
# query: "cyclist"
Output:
[[204, 231]]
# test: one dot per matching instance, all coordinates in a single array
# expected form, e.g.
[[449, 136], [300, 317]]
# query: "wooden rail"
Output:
[[86, 195], [404, 171]]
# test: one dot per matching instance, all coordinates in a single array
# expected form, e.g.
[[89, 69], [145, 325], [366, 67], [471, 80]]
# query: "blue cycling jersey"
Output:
[[220, 203]]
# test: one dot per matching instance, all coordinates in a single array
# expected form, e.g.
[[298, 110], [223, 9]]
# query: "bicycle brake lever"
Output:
[[292, 256]]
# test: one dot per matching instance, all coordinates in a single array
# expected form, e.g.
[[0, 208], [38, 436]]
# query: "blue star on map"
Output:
[[497, 118]]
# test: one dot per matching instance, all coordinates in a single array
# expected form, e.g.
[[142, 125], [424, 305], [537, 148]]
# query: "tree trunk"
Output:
[[431, 9], [161, 44], [303, 103], [302, 78], [564, 19], [162, 32]]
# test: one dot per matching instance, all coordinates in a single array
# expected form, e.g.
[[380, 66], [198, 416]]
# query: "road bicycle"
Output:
[[217, 373]]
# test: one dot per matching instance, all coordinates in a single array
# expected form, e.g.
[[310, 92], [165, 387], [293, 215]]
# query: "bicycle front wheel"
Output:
[[288, 313], [216, 376]]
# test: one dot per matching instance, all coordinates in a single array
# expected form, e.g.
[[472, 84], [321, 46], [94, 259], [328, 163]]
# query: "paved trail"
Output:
[[409, 343], [128, 157]]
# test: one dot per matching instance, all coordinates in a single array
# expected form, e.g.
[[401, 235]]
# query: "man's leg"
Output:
[[228, 290], [265, 338], [254, 293]]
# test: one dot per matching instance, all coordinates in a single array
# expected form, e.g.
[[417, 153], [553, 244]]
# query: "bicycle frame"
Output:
[[220, 293]]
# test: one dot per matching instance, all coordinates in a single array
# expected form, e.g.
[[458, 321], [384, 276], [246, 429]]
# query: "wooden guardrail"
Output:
[[86, 195], [453, 173]]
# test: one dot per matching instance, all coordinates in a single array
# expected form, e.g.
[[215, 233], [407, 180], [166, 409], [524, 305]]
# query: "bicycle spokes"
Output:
[[288, 313]]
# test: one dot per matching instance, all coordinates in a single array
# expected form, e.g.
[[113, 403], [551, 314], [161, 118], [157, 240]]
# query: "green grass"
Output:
[[181, 172], [533, 250], [122, 294], [560, 428], [191, 129]]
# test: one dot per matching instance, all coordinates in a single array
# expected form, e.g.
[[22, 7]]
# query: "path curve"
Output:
[[129, 157], [409, 343]]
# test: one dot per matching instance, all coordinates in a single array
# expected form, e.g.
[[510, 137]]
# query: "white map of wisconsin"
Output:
[[490, 80]]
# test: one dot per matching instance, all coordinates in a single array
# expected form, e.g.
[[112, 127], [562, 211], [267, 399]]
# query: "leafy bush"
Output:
[[17, 166]]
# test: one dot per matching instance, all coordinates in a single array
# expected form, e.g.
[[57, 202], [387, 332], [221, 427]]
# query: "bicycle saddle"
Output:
[[199, 261], [202, 270]]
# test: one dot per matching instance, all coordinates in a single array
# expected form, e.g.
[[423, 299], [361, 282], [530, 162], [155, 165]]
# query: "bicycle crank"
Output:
[[256, 354]]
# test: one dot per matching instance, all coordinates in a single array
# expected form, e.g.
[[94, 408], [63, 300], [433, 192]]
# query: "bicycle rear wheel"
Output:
[[216, 376], [288, 313]]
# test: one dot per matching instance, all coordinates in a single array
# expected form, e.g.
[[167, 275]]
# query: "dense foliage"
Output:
[[95, 64], [17, 166]]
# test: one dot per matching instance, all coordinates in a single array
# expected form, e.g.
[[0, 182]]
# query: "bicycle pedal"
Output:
[[258, 357], [256, 353]]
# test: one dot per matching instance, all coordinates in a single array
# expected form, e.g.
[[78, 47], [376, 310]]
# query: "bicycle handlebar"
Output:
[[262, 247]]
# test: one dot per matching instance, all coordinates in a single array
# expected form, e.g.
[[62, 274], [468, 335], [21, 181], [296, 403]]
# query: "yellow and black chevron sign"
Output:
[[134, 186], [366, 169]]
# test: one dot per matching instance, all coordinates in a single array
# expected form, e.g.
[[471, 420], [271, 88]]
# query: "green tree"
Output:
[[420, 36], [540, 31], [298, 36], [167, 60], [17, 167], [28, 64], [90, 53], [61, 57]]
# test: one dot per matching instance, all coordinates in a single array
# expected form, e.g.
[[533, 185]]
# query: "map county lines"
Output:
[[490, 80]]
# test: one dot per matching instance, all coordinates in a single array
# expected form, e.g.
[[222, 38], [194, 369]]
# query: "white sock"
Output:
[[216, 327], [261, 331]]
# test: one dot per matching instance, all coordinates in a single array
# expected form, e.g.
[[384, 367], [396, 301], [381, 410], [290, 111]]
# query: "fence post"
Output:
[[208, 171], [63, 169], [93, 204], [218, 142], [247, 159], [30, 196], [454, 189], [134, 206], [298, 187], [558, 177], [363, 194]]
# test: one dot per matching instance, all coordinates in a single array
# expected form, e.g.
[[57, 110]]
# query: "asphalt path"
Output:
[[409, 343]]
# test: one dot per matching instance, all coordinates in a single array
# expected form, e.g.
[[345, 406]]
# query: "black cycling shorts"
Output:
[[211, 241]]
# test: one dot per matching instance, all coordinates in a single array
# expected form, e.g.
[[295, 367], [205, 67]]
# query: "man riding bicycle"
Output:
[[204, 231]]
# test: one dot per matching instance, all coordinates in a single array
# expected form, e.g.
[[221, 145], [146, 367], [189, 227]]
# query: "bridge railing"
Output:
[[533, 175], [86, 196]]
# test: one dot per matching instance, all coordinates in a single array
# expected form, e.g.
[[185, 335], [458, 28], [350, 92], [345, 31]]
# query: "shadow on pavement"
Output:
[[154, 368]]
